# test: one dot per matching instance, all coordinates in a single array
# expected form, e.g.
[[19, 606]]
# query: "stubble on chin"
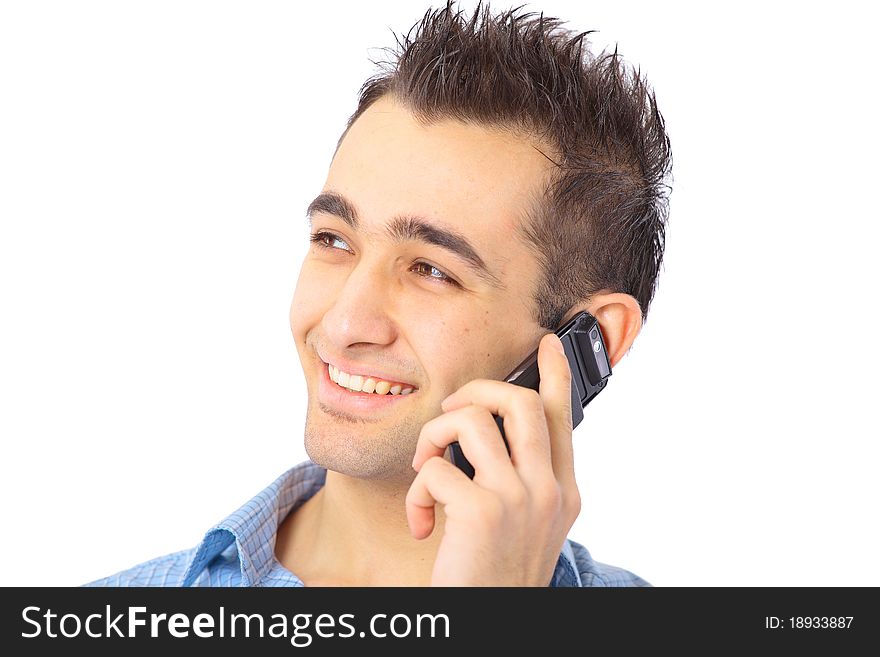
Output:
[[357, 447]]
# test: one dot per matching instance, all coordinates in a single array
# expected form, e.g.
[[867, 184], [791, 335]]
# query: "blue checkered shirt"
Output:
[[240, 551]]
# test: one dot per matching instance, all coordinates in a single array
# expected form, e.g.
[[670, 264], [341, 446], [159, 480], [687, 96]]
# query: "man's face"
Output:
[[372, 301]]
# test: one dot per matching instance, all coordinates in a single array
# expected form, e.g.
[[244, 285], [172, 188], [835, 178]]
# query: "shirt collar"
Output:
[[253, 527]]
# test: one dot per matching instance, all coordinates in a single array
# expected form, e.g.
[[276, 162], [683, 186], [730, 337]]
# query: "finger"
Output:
[[523, 419], [438, 481], [555, 392], [475, 430]]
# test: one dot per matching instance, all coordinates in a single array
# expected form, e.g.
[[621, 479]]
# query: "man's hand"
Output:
[[507, 526]]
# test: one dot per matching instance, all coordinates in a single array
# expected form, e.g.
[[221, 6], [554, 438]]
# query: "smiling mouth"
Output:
[[367, 385]]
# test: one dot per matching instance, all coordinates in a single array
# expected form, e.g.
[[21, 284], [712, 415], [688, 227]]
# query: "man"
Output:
[[497, 180]]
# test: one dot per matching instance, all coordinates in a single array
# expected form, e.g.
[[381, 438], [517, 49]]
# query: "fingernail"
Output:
[[558, 344]]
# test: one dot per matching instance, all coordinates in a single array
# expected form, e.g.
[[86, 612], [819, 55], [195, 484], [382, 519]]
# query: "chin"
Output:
[[379, 460]]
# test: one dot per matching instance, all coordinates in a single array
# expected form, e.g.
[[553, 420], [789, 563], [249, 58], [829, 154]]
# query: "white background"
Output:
[[156, 159]]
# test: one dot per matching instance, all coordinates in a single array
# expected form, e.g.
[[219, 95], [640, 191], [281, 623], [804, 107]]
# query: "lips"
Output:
[[354, 369], [368, 407], [357, 383]]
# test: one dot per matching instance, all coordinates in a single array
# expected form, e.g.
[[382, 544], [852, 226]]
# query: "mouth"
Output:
[[350, 399], [366, 384]]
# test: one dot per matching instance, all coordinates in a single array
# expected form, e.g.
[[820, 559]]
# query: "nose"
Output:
[[363, 308]]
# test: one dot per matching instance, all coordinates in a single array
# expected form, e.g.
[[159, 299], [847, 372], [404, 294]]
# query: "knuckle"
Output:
[[429, 426], [549, 498], [573, 504], [489, 511], [528, 399], [532, 398], [476, 411], [432, 465], [411, 494], [481, 417]]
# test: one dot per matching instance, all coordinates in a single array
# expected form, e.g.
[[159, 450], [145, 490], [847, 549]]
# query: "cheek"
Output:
[[458, 350], [490, 350]]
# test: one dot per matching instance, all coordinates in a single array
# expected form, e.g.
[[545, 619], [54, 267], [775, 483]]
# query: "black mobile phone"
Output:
[[590, 368]]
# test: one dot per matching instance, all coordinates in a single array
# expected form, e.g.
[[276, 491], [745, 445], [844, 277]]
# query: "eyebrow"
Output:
[[409, 228]]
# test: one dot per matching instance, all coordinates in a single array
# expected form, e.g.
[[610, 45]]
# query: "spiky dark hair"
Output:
[[600, 224]]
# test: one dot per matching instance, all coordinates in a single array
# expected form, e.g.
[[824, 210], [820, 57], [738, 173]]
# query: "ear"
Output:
[[620, 319]]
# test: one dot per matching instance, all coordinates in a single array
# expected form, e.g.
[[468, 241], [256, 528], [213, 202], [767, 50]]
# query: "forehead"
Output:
[[478, 179]]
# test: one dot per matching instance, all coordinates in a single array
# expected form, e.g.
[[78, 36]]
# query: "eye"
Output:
[[321, 238], [443, 278]]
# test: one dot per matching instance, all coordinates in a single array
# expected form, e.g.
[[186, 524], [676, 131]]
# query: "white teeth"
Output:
[[358, 383]]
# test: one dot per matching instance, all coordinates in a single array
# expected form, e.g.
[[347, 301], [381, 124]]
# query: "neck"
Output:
[[353, 532]]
